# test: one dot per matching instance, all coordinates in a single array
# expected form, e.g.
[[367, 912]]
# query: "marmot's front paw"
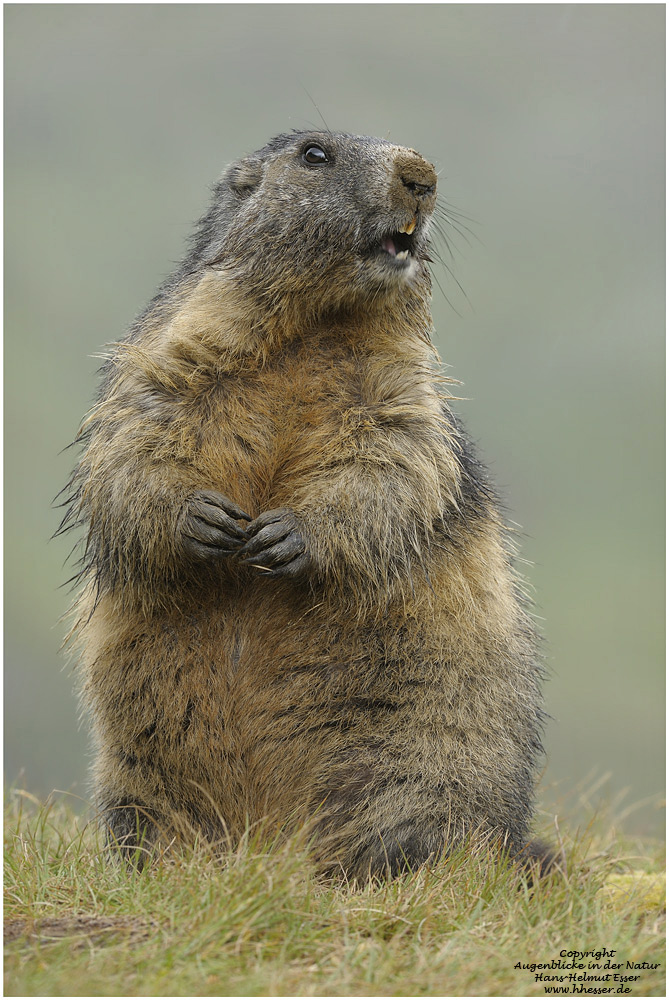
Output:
[[276, 545], [209, 527]]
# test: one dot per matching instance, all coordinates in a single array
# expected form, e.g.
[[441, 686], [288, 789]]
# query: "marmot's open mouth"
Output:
[[401, 243]]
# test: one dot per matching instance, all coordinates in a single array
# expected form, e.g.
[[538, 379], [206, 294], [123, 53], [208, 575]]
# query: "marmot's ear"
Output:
[[244, 176]]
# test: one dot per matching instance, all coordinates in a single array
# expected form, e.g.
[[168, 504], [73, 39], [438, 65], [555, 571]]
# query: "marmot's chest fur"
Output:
[[297, 596], [314, 408]]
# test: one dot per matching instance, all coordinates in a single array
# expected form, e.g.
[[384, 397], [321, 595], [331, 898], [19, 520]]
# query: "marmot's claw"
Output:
[[296, 567], [276, 546], [210, 530], [215, 499], [201, 550], [283, 552]]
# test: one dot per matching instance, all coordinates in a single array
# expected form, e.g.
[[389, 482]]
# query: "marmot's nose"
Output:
[[420, 190], [418, 177]]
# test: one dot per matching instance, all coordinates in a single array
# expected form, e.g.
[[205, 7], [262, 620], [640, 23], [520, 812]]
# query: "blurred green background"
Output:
[[547, 126]]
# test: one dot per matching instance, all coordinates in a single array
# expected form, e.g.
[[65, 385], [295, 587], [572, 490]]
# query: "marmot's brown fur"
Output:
[[298, 599]]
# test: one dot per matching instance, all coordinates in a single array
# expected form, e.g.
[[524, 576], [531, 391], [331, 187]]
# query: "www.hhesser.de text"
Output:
[[602, 971]]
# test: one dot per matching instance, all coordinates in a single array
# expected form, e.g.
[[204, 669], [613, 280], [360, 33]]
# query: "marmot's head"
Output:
[[321, 221]]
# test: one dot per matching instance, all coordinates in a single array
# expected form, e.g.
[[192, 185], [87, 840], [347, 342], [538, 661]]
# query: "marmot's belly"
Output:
[[235, 716]]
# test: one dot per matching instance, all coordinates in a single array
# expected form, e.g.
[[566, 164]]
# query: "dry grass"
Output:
[[259, 922]]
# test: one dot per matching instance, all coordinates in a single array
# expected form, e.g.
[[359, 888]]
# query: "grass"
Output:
[[260, 922]]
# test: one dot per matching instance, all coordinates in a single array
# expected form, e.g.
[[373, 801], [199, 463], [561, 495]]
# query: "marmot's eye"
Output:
[[314, 156]]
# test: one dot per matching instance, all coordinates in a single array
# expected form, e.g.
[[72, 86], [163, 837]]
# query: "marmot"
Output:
[[298, 598]]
